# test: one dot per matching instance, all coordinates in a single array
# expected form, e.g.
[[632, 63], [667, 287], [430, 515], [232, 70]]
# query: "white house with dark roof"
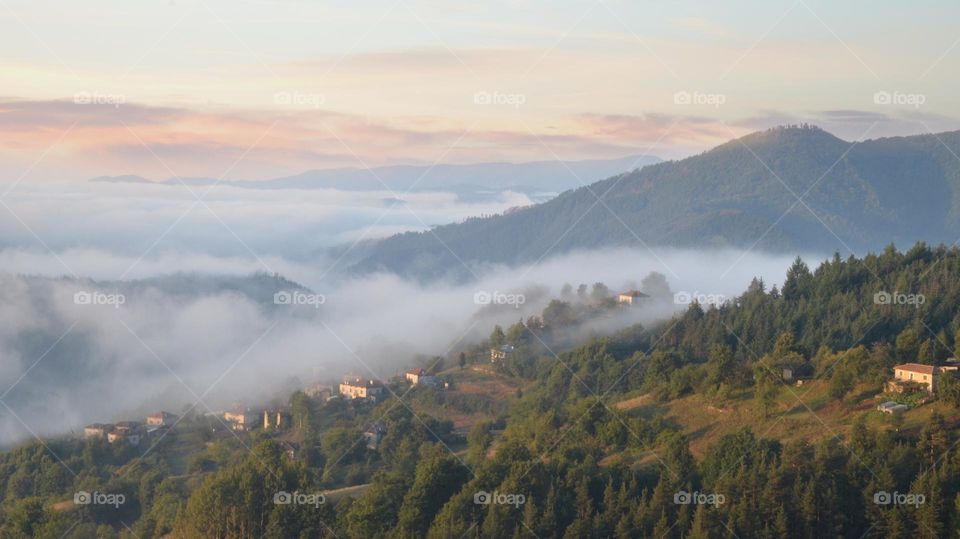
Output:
[[631, 297]]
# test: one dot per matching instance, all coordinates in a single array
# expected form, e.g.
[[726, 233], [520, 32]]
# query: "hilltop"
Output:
[[742, 194]]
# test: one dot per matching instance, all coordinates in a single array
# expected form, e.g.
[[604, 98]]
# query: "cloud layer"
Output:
[[177, 339]]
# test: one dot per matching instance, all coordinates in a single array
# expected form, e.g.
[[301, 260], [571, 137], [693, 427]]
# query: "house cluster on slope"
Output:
[[369, 389], [244, 419], [355, 387], [132, 432]]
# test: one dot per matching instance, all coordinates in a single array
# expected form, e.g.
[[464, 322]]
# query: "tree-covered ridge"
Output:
[[562, 458], [868, 193], [838, 305]]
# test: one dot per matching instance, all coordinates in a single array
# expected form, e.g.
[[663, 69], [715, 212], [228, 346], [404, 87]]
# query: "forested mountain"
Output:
[[742, 193], [568, 456]]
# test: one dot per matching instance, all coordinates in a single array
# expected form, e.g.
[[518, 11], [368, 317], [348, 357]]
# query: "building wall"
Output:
[[354, 392], [928, 380]]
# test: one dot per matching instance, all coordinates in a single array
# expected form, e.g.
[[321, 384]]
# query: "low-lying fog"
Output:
[[68, 362], [188, 321]]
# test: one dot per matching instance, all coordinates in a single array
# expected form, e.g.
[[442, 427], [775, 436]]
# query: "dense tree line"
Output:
[[560, 459]]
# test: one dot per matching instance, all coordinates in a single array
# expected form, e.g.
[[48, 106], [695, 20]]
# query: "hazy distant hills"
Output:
[[530, 178], [740, 194]]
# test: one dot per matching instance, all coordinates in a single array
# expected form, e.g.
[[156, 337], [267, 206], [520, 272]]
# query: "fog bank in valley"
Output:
[[212, 335]]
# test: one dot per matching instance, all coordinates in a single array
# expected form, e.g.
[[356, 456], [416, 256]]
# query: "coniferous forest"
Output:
[[594, 439]]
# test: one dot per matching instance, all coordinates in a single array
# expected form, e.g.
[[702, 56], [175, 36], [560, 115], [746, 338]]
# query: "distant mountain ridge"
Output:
[[740, 194], [530, 178]]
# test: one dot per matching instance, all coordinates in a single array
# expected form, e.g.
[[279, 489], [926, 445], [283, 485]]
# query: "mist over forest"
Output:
[[213, 333]]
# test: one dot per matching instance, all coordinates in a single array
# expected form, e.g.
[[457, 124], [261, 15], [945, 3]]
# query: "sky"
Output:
[[260, 89]]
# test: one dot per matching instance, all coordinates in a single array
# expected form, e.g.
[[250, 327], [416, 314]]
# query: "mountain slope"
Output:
[[743, 193]]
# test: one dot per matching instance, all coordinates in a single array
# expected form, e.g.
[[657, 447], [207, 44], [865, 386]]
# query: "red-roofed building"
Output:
[[360, 388], [917, 373], [161, 419]]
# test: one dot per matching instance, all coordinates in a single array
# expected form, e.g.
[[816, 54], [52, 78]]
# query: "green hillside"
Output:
[[609, 437], [743, 193]]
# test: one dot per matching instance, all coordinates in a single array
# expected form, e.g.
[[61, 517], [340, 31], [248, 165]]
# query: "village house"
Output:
[[429, 381], [361, 388], [413, 375], [132, 438], [373, 433], [499, 354], [319, 391], [420, 377], [273, 419], [97, 430], [916, 375], [126, 431], [796, 373], [240, 419], [161, 419], [631, 297]]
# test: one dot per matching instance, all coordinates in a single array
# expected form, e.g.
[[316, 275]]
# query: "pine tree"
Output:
[[548, 521], [928, 514], [662, 527], [781, 524], [700, 529]]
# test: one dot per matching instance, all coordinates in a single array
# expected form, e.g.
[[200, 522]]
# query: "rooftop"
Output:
[[916, 367], [358, 382]]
